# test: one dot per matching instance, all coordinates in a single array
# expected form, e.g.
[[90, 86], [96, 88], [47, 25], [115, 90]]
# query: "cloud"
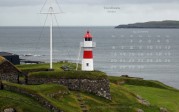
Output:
[[13, 3], [143, 1], [88, 12]]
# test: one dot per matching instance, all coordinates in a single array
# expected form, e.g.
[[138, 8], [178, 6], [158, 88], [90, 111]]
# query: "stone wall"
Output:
[[1, 86], [36, 97], [99, 87], [9, 72]]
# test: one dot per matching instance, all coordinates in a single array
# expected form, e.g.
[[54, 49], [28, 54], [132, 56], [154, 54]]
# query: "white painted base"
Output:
[[88, 44], [87, 65]]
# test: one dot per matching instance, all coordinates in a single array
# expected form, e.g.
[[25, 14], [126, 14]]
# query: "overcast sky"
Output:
[[87, 12]]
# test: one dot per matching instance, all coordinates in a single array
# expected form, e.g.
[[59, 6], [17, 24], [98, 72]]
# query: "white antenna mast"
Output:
[[50, 12]]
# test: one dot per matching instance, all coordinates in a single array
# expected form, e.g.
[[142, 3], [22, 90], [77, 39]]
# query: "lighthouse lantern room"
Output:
[[88, 45]]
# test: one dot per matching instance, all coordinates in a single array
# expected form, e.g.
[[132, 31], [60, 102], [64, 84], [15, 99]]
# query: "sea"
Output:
[[152, 54]]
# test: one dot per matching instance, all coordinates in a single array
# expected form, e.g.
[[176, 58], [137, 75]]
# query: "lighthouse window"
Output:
[[88, 39], [87, 64]]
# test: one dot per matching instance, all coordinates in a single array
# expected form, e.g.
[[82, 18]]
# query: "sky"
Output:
[[86, 12]]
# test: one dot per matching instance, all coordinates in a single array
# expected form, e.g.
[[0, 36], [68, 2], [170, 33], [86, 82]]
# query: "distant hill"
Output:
[[152, 24]]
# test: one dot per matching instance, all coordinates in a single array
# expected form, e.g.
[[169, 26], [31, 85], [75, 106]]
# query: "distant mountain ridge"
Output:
[[152, 24]]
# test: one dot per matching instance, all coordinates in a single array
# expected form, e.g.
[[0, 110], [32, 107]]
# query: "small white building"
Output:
[[88, 45]]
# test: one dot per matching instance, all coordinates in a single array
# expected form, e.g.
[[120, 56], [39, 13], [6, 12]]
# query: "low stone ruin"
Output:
[[8, 71], [99, 87]]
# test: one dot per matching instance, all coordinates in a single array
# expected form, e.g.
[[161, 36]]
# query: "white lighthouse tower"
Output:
[[88, 45]]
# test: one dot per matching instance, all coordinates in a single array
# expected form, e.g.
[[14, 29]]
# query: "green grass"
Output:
[[159, 97], [44, 67], [65, 102], [40, 71], [44, 88], [157, 93], [123, 92], [123, 98], [138, 82], [69, 74], [20, 102], [122, 101]]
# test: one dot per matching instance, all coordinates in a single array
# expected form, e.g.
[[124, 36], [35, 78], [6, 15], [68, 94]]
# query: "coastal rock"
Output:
[[9, 110], [142, 101], [162, 109], [139, 110], [61, 93]]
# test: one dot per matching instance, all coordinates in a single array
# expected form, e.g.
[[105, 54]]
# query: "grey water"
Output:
[[152, 54]]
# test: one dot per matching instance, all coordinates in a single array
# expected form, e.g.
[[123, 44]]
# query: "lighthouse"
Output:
[[87, 45]]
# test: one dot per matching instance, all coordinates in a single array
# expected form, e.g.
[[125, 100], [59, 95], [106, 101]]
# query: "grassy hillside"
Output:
[[138, 82], [152, 24], [56, 94], [122, 101], [157, 93], [20, 102], [45, 67], [126, 93], [159, 97], [123, 98]]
